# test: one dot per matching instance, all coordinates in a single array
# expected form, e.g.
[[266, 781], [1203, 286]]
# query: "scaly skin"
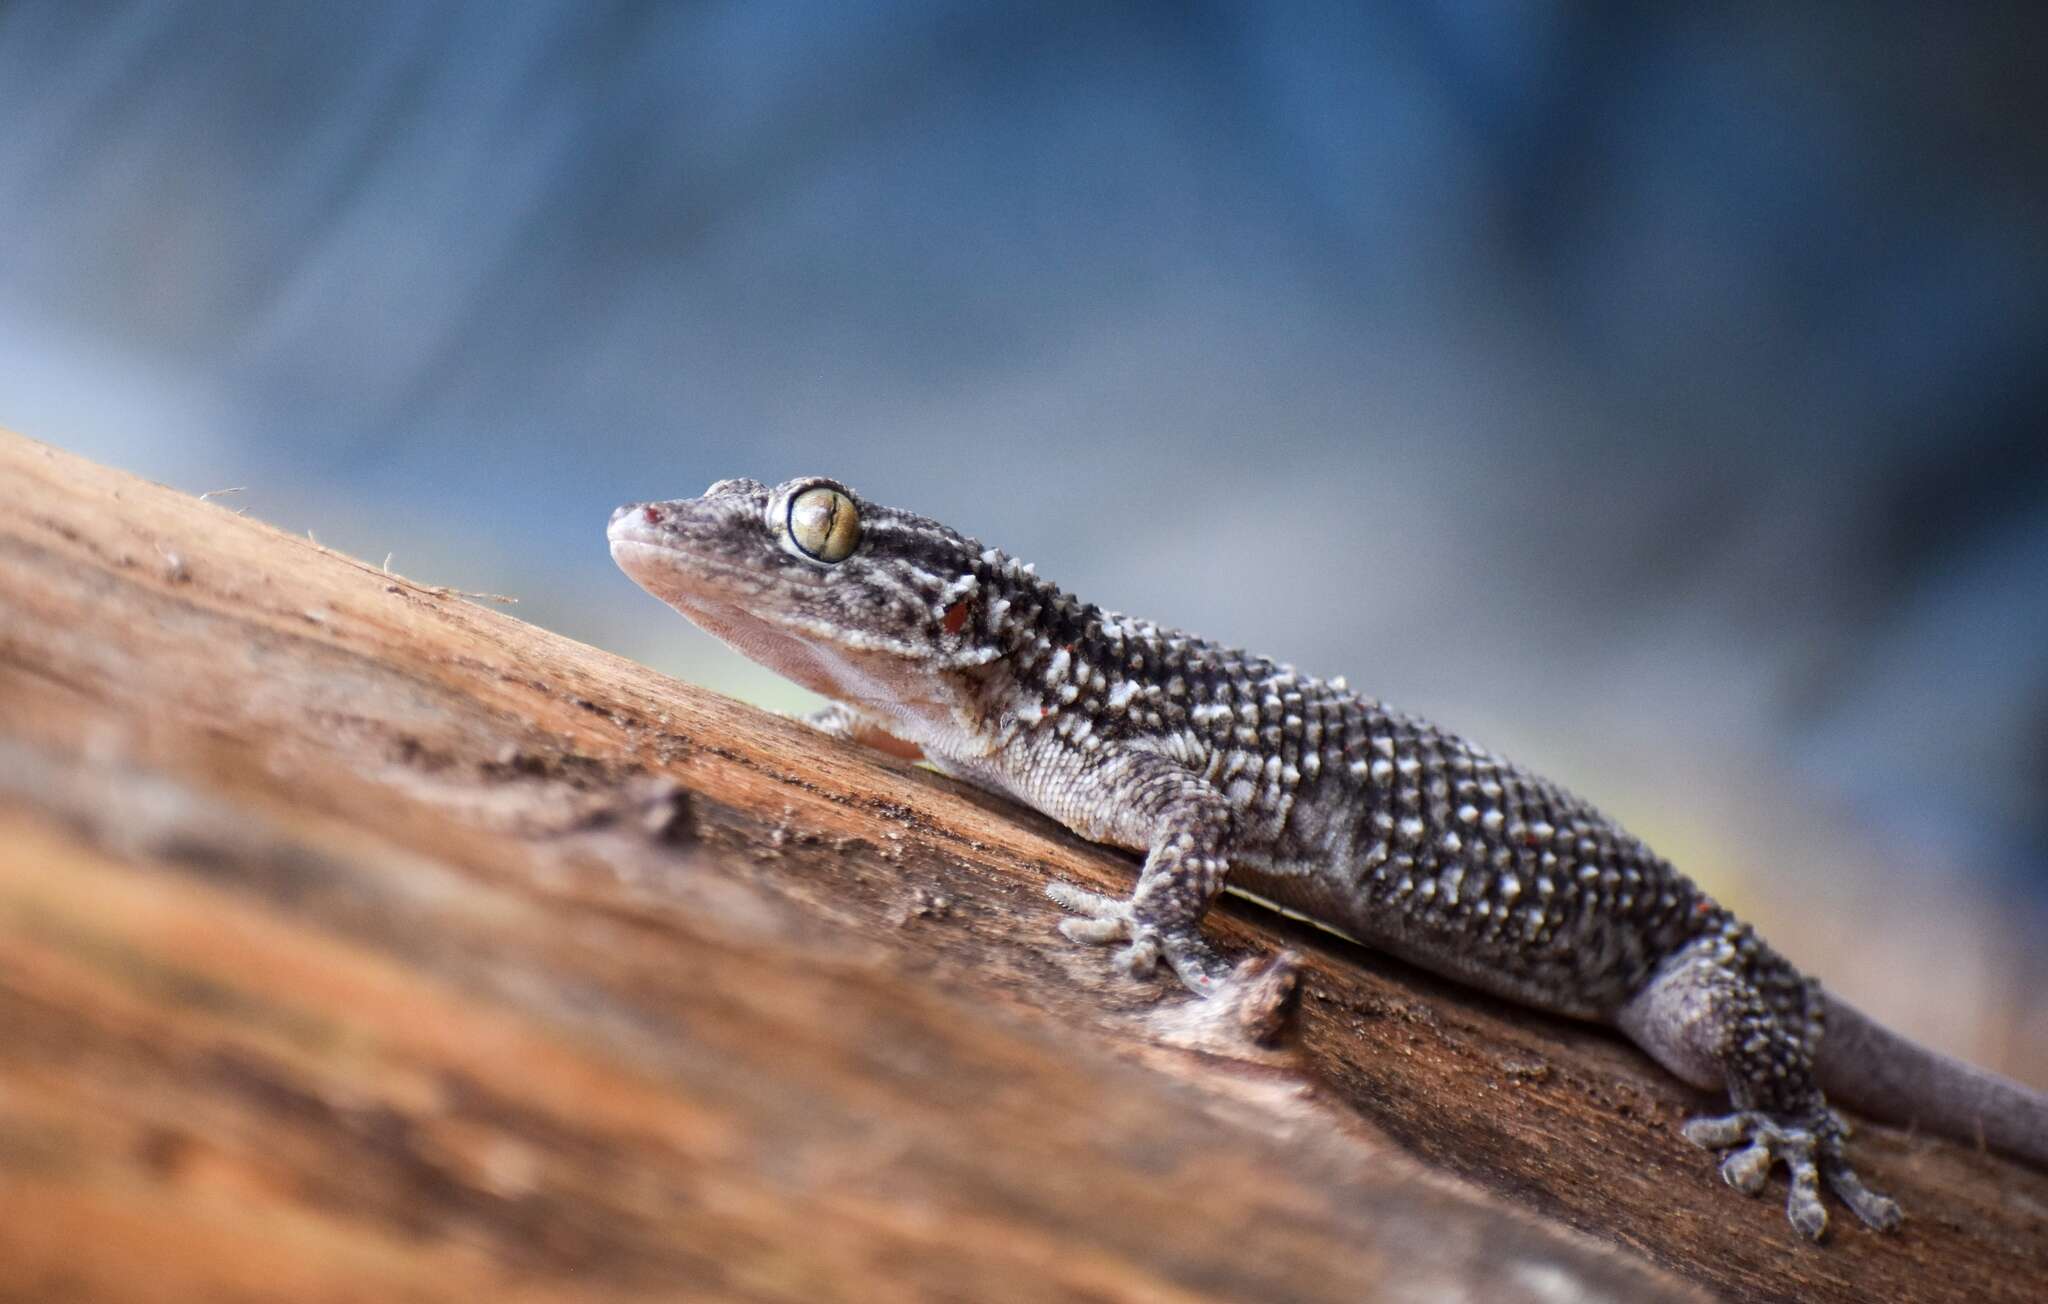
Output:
[[1220, 765]]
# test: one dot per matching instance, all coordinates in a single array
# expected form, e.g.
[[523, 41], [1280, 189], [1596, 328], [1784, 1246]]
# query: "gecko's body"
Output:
[[1216, 763]]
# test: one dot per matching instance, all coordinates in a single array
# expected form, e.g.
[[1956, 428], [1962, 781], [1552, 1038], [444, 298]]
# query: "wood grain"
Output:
[[359, 942]]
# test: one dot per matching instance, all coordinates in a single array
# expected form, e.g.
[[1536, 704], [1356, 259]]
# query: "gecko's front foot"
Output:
[[1255, 998], [1105, 920], [1811, 1150]]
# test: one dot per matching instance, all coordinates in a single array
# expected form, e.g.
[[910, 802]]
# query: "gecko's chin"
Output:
[[833, 670]]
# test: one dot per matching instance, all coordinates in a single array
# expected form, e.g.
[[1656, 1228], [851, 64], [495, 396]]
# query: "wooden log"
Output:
[[359, 942]]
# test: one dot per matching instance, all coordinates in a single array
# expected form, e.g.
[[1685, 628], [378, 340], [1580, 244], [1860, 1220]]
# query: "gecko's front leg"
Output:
[[1186, 827]]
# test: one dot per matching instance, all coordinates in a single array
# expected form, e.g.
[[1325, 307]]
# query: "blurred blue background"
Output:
[[1657, 398]]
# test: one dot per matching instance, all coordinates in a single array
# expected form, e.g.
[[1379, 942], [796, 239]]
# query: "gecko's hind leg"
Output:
[[1727, 1011]]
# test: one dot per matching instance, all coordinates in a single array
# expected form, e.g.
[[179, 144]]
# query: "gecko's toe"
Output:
[[1747, 1169], [1092, 905], [1094, 932], [1141, 958], [1802, 1202], [1876, 1209], [1717, 1133], [1199, 969]]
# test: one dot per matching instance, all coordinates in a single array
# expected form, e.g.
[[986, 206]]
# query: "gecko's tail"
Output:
[[1876, 1071]]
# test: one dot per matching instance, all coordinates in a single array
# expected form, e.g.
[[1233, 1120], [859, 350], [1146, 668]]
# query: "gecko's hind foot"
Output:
[[1105, 920], [1811, 1150]]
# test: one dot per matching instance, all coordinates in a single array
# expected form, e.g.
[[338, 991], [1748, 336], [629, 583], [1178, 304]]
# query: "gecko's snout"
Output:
[[633, 514]]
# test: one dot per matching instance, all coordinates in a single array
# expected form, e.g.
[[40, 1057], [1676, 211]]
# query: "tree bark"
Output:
[[359, 942]]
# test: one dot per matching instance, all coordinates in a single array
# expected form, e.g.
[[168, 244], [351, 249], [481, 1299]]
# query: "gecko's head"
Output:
[[814, 582]]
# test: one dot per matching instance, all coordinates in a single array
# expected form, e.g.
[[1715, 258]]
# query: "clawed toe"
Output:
[[1093, 905], [1810, 1151], [1747, 1169], [1875, 1209], [1095, 932], [1141, 958]]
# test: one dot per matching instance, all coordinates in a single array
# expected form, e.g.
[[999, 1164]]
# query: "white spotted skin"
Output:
[[1223, 767]]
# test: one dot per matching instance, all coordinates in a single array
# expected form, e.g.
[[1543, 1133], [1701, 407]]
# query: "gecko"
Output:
[[1224, 768]]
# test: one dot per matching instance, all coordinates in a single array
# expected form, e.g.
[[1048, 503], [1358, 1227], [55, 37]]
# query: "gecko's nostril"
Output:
[[651, 514]]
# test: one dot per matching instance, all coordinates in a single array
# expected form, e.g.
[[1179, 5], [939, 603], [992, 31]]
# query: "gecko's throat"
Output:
[[736, 607]]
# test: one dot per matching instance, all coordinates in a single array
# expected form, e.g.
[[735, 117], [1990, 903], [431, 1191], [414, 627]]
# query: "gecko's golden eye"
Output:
[[824, 523]]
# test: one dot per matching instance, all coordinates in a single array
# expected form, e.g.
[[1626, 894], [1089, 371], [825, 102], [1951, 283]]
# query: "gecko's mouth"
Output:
[[670, 570], [727, 601]]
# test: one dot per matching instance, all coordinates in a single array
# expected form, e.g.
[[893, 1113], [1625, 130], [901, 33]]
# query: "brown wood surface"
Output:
[[358, 942]]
